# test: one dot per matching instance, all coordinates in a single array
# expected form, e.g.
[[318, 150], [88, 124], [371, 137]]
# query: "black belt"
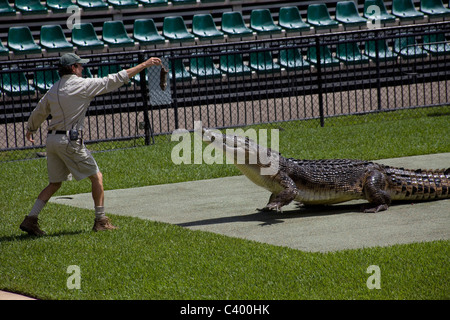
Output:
[[57, 132]]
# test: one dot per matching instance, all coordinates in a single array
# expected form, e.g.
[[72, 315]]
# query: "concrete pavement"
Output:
[[228, 206]]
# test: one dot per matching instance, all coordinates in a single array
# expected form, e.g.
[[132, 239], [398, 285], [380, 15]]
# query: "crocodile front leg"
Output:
[[278, 200]]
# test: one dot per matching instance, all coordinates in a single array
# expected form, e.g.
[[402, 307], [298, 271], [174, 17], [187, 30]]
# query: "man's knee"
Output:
[[98, 177], [55, 185]]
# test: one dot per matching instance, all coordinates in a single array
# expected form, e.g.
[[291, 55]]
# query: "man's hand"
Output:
[[153, 61], [29, 136]]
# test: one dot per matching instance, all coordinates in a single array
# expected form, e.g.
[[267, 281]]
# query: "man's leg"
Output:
[[30, 223], [102, 222], [49, 191], [98, 193]]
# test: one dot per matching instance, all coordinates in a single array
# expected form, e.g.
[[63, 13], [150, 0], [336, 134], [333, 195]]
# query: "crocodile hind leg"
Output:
[[374, 190]]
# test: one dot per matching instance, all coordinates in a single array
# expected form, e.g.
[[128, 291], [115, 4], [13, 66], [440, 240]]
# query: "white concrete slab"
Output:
[[228, 206]]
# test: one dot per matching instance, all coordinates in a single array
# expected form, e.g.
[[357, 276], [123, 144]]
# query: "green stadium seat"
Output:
[[60, 5], [20, 41], [181, 74], [436, 44], [6, 9], [319, 17], [123, 4], [3, 50], [347, 14], [233, 65], [92, 4], [384, 53], [44, 79], [262, 62], [407, 48], [292, 59], [349, 53], [175, 30], [30, 6], [85, 38], [434, 8], [261, 21], [181, 2], [145, 32], [405, 10], [153, 3], [15, 83], [203, 67], [52, 39], [204, 27], [115, 35], [233, 25], [326, 58], [289, 18], [376, 10]]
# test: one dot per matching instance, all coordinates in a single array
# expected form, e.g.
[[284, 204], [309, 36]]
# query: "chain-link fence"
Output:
[[316, 77], [309, 78]]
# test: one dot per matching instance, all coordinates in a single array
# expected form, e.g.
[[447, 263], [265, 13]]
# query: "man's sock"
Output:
[[99, 212], [38, 206]]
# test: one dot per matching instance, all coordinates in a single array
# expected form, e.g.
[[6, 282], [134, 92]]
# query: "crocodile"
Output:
[[328, 181]]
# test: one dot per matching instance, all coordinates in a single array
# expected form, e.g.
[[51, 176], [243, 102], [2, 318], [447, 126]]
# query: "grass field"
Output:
[[151, 260]]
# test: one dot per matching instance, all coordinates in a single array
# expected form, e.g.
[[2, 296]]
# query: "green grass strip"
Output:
[[151, 260]]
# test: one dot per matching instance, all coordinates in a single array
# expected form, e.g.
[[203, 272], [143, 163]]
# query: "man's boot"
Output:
[[102, 224], [31, 225]]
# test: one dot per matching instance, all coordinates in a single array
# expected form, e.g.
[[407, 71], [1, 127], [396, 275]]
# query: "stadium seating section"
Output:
[[161, 23], [32, 28]]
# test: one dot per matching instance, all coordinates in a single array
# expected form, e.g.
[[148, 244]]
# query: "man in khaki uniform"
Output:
[[67, 156]]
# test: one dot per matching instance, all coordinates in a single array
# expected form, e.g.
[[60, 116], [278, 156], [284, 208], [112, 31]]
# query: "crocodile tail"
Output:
[[420, 184]]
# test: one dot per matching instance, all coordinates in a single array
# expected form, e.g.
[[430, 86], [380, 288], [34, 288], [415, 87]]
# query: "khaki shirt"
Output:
[[69, 98]]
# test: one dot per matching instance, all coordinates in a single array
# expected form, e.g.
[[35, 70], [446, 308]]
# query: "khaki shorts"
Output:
[[68, 158]]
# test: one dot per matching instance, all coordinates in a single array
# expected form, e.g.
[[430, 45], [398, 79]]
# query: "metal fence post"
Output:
[[319, 82], [174, 90], [377, 63], [148, 132]]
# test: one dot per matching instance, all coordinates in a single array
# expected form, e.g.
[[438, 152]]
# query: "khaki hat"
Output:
[[70, 59]]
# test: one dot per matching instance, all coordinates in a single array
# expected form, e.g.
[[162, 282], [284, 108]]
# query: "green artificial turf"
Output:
[[152, 260]]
